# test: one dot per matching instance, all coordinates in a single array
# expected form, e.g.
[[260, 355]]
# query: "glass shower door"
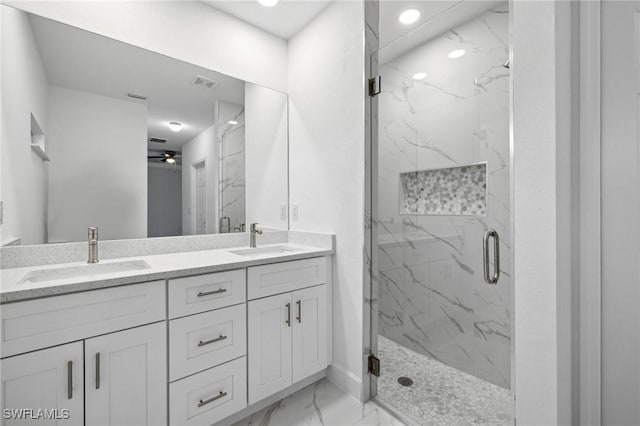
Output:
[[443, 327]]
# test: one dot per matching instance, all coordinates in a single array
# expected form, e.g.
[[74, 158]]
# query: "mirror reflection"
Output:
[[100, 133]]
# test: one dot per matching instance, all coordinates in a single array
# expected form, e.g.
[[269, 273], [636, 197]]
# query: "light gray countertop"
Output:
[[14, 288]]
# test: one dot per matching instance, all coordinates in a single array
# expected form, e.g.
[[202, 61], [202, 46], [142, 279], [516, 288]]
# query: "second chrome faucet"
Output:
[[252, 235]]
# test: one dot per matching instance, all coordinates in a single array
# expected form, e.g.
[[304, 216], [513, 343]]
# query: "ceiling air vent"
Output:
[[157, 140], [204, 82]]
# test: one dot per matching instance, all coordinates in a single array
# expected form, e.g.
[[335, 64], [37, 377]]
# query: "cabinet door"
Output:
[[269, 324], [50, 379], [309, 331], [126, 377]]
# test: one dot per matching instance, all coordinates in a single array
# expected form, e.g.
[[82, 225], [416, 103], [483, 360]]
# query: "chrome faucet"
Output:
[[93, 245], [253, 231]]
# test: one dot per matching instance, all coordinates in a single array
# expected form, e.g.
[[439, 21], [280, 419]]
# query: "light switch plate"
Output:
[[283, 212], [1, 212], [294, 212]]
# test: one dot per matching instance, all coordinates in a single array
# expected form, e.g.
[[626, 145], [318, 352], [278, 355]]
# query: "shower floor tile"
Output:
[[440, 395]]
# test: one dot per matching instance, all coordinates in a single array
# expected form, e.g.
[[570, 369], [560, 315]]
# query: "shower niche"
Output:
[[459, 190]]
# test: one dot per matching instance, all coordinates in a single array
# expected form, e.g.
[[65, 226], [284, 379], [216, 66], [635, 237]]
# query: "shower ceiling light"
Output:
[[420, 76], [268, 3], [409, 16], [175, 126], [233, 122], [454, 54]]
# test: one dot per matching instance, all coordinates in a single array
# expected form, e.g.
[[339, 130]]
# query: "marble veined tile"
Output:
[[320, 404]]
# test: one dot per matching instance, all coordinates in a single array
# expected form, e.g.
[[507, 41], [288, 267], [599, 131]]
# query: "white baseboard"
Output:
[[346, 381]]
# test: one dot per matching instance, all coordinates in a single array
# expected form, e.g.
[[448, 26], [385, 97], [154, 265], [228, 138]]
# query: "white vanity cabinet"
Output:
[[288, 332], [92, 354], [190, 350], [207, 347], [46, 379], [125, 377]]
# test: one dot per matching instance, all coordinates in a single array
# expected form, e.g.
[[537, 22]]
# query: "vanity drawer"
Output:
[[201, 293], [40, 323], [198, 342], [267, 280], [210, 396]]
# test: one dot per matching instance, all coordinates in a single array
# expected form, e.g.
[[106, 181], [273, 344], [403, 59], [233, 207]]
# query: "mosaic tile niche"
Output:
[[458, 191]]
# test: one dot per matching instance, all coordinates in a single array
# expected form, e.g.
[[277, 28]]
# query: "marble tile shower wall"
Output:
[[232, 163], [432, 297]]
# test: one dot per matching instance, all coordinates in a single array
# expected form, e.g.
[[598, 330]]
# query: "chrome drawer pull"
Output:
[[217, 339], [220, 395], [69, 379], [288, 320], [208, 293], [98, 370]]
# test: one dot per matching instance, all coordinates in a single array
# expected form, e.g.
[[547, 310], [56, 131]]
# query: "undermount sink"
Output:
[[51, 274], [263, 250]]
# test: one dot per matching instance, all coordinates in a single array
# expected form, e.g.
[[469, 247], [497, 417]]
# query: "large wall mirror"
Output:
[[96, 132]]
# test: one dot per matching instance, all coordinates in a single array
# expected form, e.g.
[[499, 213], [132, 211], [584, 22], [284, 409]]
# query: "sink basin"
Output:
[[263, 250], [51, 274]]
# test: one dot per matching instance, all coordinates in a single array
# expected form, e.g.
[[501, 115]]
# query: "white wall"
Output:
[[620, 212], [98, 168], [326, 133], [266, 153], [24, 92], [202, 147], [541, 68], [165, 201], [186, 30]]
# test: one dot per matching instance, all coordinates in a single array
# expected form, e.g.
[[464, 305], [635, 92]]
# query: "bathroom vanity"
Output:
[[185, 338]]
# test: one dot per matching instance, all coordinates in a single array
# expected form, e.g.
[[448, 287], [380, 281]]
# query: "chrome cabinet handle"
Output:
[[218, 396], [491, 278], [69, 379], [208, 293], [217, 339], [98, 370], [299, 317], [288, 321]]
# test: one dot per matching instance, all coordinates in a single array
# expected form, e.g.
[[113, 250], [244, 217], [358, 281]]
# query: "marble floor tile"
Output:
[[320, 404], [440, 394]]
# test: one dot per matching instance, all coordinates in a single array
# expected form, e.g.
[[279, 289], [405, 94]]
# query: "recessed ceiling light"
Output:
[[175, 126], [268, 3], [409, 16], [454, 54], [233, 122], [420, 76]]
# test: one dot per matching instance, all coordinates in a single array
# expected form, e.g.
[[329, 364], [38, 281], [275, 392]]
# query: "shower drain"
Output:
[[405, 381]]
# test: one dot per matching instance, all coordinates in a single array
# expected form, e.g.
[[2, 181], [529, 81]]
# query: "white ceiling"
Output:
[[80, 60], [283, 20]]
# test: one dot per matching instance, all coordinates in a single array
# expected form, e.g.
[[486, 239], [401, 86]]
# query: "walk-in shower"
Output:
[[443, 316]]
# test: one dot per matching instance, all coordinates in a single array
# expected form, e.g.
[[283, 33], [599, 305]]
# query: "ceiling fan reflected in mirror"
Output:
[[168, 157]]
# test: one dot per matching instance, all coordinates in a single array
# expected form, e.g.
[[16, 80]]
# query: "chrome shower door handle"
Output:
[[488, 277]]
